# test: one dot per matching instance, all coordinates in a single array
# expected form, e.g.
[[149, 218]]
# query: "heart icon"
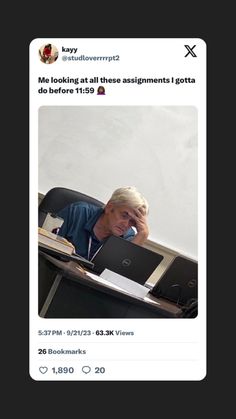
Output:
[[43, 370], [86, 369]]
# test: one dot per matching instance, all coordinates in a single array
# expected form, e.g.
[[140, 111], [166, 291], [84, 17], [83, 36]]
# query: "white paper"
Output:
[[126, 284], [103, 281], [50, 223]]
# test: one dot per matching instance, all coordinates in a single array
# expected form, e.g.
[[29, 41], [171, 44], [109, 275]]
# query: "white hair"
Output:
[[131, 197]]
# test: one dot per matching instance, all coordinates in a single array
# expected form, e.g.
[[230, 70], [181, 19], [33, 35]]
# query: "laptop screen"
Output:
[[127, 259], [179, 283]]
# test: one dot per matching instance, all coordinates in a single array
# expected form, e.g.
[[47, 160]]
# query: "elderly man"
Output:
[[87, 226]]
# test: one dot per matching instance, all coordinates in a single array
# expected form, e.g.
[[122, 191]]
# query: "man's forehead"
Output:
[[126, 209]]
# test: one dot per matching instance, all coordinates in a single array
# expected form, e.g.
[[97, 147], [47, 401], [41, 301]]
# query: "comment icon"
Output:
[[86, 369]]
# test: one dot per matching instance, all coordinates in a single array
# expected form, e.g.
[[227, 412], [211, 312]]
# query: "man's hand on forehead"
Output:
[[141, 211], [140, 223], [137, 213]]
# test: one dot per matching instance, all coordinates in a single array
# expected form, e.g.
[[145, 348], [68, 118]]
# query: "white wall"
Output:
[[98, 149]]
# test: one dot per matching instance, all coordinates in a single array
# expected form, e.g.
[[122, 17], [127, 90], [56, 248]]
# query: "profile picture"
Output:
[[48, 54], [101, 90]]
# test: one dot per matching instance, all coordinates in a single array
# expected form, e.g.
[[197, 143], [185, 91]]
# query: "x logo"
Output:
[[190, 50]]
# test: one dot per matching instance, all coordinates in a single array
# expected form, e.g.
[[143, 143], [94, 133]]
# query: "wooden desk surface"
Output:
[[74, 271]]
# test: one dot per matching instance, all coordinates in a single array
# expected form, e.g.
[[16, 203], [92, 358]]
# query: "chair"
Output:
[[58, 198]]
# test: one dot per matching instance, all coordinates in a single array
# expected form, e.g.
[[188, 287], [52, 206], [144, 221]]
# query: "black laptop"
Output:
[[179, 283], [127, 259]]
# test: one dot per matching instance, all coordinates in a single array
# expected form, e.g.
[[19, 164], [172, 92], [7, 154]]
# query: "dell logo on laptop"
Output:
[[126, 262], [192, 283]]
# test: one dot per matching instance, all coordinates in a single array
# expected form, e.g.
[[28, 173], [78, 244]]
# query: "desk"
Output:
[[69, 293]]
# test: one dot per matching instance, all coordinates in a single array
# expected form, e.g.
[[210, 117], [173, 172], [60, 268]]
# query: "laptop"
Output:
[[179, 283], [127, 259]]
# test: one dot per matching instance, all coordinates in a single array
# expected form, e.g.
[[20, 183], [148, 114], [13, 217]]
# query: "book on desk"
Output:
[[60, 248], [54, 241]]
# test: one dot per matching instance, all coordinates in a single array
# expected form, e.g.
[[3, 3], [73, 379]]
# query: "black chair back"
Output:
[[58, 198]]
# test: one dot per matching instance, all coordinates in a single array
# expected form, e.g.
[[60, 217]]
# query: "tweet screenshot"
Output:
[[117, 209]]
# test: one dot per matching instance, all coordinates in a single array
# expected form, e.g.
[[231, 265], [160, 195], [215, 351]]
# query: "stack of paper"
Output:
[[121, 282]]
